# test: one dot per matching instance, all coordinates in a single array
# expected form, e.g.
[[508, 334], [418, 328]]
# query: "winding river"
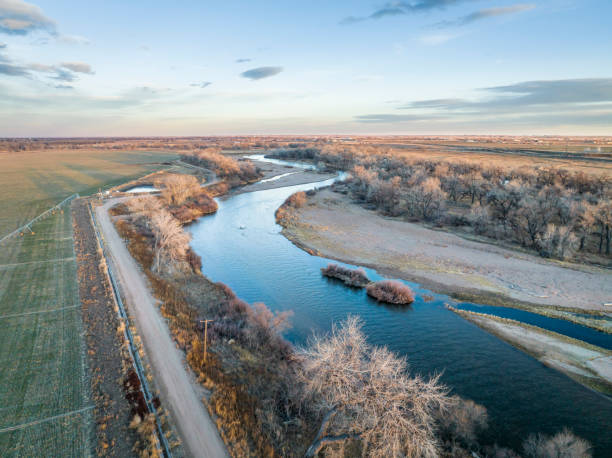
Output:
[[241, 246]]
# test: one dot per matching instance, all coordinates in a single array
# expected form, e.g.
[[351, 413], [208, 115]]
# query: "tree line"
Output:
[[556, 212]]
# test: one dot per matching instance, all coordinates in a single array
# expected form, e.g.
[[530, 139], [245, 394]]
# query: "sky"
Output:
[[161, 68]]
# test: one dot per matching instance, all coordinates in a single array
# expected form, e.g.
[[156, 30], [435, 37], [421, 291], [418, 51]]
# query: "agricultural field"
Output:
[[44, 387], [45, 391], [37, 180]]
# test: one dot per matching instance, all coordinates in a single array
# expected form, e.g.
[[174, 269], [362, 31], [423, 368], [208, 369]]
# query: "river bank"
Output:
[[587, 364], [330, 224]]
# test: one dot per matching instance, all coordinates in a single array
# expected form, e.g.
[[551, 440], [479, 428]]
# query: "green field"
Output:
[[34, 181], [45, 399], [44, 387]]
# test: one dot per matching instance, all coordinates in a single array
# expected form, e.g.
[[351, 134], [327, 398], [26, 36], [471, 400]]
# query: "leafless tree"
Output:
[[176, 188], [603, 217], [365, 394], [143, 205], [171, 241], [562, 445]]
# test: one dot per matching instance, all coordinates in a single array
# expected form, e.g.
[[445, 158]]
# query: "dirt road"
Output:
[[179, 392]]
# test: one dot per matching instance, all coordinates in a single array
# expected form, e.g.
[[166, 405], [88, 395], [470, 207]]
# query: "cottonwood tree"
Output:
[[603, 218], [143, 205], [365, 394], [171, 241], [177, 188]]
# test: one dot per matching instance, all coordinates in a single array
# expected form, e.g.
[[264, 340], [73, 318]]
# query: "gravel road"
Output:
[[179, 392]]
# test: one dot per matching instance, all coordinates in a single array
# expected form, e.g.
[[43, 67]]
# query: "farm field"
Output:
[[44, 387], [37, 180], [45, 390]]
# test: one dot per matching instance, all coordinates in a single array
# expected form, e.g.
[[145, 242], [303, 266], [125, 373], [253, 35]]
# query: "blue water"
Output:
[[242, 247], [567, 328]]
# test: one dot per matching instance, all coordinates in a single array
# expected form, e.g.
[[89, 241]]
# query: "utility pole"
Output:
[[205, 336]]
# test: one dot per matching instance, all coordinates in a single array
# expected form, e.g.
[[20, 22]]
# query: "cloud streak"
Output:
[[401, 8], [261, 73], [20, 18], [65, 72], [201, 85], [569, 101], [485, 14]]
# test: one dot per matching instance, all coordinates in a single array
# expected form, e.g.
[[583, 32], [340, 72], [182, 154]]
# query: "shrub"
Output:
[[297, 200], [351, 277], [562, 445], [392, 292]]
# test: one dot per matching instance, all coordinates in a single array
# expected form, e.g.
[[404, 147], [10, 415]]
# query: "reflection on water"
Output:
[[242, 246], [263, 158], [136, 189]]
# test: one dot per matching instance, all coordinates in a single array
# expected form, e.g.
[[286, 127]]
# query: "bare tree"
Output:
[[562, 445], [144, 205], [176, 188], [171, 241], [365, 394], [603, 217]]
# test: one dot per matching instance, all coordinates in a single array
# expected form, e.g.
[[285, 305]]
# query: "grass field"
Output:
[[31, 182], [44, 387], [45, 394]]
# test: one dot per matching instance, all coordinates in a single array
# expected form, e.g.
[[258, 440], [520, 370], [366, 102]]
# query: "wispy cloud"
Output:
[[261, 72], [527, 94], [12, 70], [78, 67], [65, 72], [485, 14], [20, 18], [400, 8], [202, 85], [569, 101], [73, 40], [433, 39], [243, 60], [392, 118]]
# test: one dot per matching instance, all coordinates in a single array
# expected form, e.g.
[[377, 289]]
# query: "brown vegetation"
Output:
[[562, 445], [391, 292], [554, 211], [176, 188], [107, 355], [352, 277], [366, 395], [235, 172]]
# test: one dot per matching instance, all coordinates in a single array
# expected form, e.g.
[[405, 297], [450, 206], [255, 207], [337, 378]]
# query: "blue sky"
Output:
[[72, 68]]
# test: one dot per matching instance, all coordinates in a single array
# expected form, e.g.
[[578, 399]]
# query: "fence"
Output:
[[39, 217]]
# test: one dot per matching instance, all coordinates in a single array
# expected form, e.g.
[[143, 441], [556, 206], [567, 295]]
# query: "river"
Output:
[[241, 246]]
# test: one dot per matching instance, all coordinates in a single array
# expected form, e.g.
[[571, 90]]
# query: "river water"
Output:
[[241, 246]]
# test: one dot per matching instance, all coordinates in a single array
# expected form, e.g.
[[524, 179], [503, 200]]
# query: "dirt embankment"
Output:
[[333, 226], [108, 359]]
